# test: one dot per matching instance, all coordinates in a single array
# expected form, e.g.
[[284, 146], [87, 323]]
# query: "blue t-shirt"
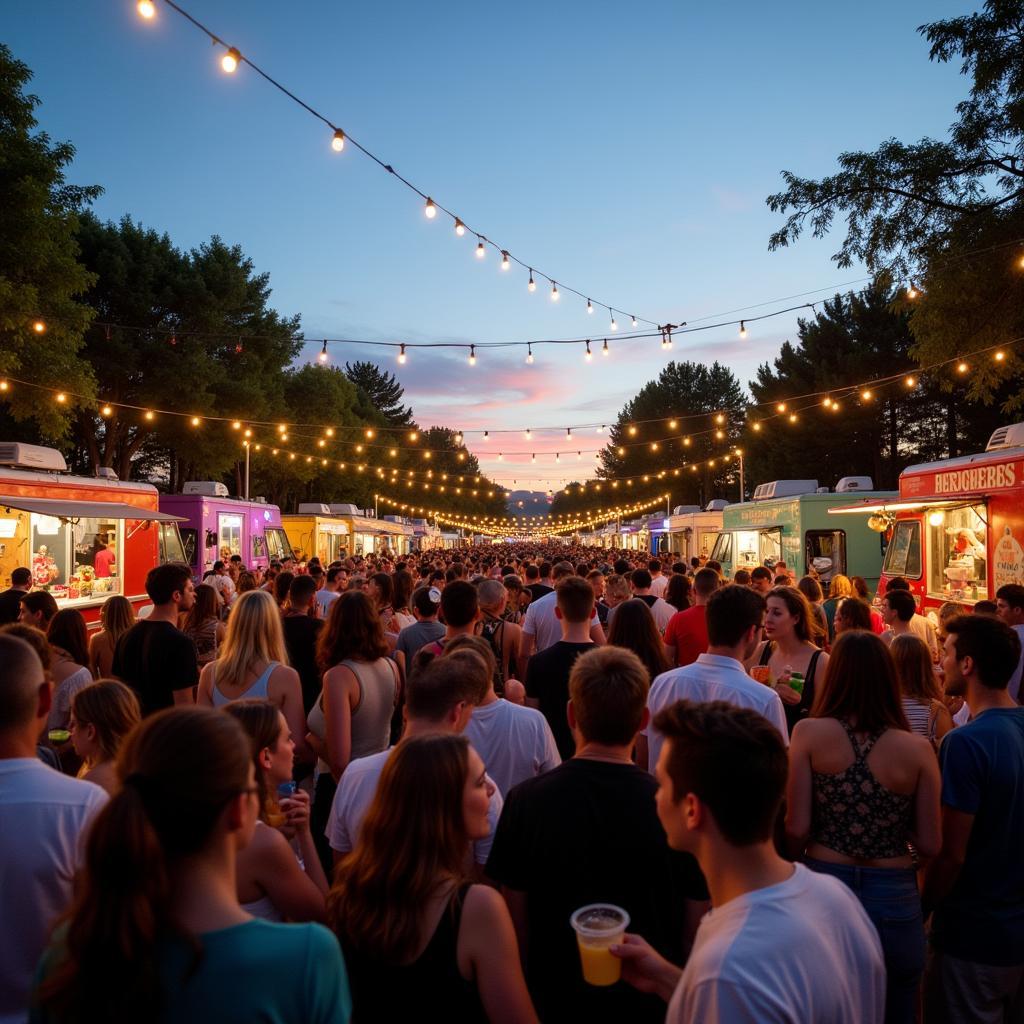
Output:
[[257, 971], [982, 918]]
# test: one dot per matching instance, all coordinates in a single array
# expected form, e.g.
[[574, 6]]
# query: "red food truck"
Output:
[[83, 538], [956, 531]]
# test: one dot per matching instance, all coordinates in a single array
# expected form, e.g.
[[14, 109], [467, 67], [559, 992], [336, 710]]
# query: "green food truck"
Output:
[[788, 521]]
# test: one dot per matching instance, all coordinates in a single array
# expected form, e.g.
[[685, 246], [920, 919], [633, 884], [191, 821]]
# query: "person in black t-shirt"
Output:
[[534, 586], [154, 657], [588, 832], [10, 600], [547, 673], [301, 630]]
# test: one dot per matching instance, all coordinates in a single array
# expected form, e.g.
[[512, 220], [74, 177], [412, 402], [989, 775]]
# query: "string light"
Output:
[[39, 327], [910, 381], [743, 329], [866, 395], [613, 326], [338, 141], [472, 355], [531, 284], [999, 356], [589, 354], [554, 292], [146, 8], [229, 62], [590, 306], [604, 349], [962, 368], [61, 397], [487, 434], [195, 421], [633, 318], [401, 355], [430, 209], [481, 252], [106, 411], [460, 228], [912, 292], [529, 434], [323, 353], [529, 354], [781, 407], [505, 263]]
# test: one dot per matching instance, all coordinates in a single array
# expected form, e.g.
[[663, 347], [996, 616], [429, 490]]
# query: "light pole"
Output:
[[246, 470], [739, 455]]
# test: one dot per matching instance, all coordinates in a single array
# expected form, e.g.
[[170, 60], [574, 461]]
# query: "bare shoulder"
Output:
[[284, 674], [483, 905]]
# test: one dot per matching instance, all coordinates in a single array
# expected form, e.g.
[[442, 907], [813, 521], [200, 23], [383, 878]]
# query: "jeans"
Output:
[[892, 902]]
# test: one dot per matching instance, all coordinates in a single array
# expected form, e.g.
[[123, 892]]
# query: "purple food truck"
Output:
[[217, 527]]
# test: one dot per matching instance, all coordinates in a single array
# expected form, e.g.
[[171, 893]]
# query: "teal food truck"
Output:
[[788, 521]]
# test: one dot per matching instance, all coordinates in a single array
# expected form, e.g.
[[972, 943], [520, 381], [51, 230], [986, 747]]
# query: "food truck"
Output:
[[956, 528], [691, 531], [342, 530], [217, 526], [789, 521], [83, 538]]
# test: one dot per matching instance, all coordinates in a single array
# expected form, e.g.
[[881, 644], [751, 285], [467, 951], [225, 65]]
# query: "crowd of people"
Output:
[[383, 788]]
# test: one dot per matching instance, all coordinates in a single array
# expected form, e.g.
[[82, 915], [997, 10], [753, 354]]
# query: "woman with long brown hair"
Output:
[[117, 616], [203, 623], [862, 790], [920, 691], [792, 651], [102, 715], [69, 641], [352, 716], [414, 931], [633, 627], [155, 930]]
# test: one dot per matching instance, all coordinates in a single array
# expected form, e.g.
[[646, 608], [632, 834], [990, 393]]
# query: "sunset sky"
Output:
[[624, 149]]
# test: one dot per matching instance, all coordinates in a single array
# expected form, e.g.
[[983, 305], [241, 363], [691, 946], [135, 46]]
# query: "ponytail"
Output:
[[178, 770]]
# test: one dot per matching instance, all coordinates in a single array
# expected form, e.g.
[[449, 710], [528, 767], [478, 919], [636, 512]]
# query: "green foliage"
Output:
[[382, 390]]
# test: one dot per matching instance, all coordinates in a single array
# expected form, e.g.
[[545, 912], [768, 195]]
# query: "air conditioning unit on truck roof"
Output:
[[207, 488], [31, 456], [1011, 436], [848, 484], [784, 489]]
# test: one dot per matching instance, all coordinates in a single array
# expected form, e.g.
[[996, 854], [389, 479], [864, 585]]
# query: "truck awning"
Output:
[[60, 508], [908, 506]]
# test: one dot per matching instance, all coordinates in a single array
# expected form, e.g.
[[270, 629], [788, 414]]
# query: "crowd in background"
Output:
[[381, 787]]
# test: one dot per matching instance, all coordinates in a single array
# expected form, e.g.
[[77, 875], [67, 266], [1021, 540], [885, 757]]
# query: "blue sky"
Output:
[[625, 149]]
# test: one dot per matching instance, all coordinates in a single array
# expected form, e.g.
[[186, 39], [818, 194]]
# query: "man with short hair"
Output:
[[735, 617], [975, 886], [155, 658], [587, 832], [686, 635], [541, 627], [440, 699], [10, 599], [38, 608], [460, 607], [425, 603], [1010, 608], [761, 580], [302, 628], [547, 673], [44, 816], [596, 580], [897, 611], [783, 943], [533, 583], [920, 625], [662, 611], [334, 583], [659, 582]]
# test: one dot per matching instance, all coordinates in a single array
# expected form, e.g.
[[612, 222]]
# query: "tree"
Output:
[[383, 391], [40, 273]]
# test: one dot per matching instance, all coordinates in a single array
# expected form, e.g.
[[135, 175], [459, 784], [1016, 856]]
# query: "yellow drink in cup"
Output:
[[599, 926]]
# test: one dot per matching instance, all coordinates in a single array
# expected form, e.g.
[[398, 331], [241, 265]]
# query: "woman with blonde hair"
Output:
[[838, 588], [920, 692], [102, 715], [203, 623], [253, 665], [117, 616], [414, 931]]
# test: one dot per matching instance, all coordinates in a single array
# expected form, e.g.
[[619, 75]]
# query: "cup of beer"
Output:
[[598, 927], [761, 674]]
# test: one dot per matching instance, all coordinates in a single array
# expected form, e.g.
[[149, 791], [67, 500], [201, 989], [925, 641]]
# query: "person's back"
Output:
[[301, 633], [686, 635], [43, 820], [515, 742]]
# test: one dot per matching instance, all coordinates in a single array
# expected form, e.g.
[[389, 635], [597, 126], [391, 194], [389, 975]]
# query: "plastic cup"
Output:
[[58, 736], [286, 790], [599, 926], [761, 674]]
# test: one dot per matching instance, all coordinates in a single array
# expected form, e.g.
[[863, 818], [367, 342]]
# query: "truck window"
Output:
[[259, 546], [957, 554], [722, 551], [825, 552], [170, 544], [903, 556], [771, 548], [229, 539]]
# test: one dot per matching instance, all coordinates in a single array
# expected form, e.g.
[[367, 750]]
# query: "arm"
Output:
[[799, 791], [927, 837], [291, 890], [670, 652], [487, 939], [204, 697], [94, 656], [597, 633], [339, 684], [644, 968], [942, 873], [527, 645], [288, 696]]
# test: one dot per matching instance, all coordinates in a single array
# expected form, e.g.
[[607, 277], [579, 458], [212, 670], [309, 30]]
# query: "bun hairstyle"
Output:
[[178, 771]]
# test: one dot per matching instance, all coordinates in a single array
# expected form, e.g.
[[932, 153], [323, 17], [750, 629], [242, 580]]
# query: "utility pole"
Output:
[[739, 453], [246, 470]]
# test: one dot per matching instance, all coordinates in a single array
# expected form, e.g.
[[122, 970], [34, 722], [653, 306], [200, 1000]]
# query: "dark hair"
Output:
[[333, 573], [986, 608], [654, 565], [559, 570], [897, 583], [622, 567], [574, 597], [731, 611], [179, 770], [714, 566], [855, 611], [532, 572], [282, 584], [21, 576], [1011, 593], [608, 689], [68, 631], [261, 721], [677, 592], [246, 582], [641, 579], [36, 601], [810, 588], [300, 590], [741, 577], [760, 573], [545, 569], [902, 603], [207, 606], [401, 589], [732, 759], [383, 583], [459, 603], [860, 685], [163, 581], [633, 627], [353, 630], [424, 603], [993, 646], [706, 581], [18, 650], [860, 587], [807, 626], [914, 670]]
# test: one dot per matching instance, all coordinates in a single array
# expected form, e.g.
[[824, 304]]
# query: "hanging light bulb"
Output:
[[401, 354], [472, 355], [912, 292], [39, 327], [604, 348], [529, 353], [146, 8], [531, 284], [460, 228], [613, 326], [430, 209], [505, 262], [633, 318], [338, 142], [106, 411], [589, 354], [196, 421], [999, 356], [458, 437], [558, 457], [487, 434], [743, 329], [529, 434], [554, 292], [229, 62], [911, 382], [781, 407], [323, 353], [481, 252], [962, 368], [590, 306], [866, 394], [501, 457]]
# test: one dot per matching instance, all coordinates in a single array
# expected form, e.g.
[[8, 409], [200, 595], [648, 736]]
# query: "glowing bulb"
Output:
[[590, 306], [281, 428], [911, 382], [757, 427], [61, 397], [654, 446], [936, 518], [472, 355], [792, 417], [338, 141], [554, 292], [912, 292], [781, 407], [962, 368], [458, 438], [234, 426], [487, 435], [529, 434], [401, 355], [686, 442], [827, 402], [505, 262], [999, 356], [589, 354], [632, 431], [248, 433], [613, 326], [106, 411], [4, 385], [720, 434], [149, 415], [633, 318], [413, 436], [481, 252], [866, 394], [39, 327], [835, 407], [323, 353], [430, 209], [146, 8], [460, 228], [622, 451], [529, 353], [558, 457], [720, 418], [531, 284], [229, 62], [743, 329], [195, 421]]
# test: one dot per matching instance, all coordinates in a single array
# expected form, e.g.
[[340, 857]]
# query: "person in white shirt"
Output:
[[782, 943], [223, 583], [43, 820], [541, 627], [659, 582], [330, 591], [1010, 608], [735, 617], [515, 742], [440, 698], [640, 583]]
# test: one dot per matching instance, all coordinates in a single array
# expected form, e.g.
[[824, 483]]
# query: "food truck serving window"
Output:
[[957, 553], [229, 535], [903, 556], [722, 551], [277, 543], [825, 553], [71, 559]]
